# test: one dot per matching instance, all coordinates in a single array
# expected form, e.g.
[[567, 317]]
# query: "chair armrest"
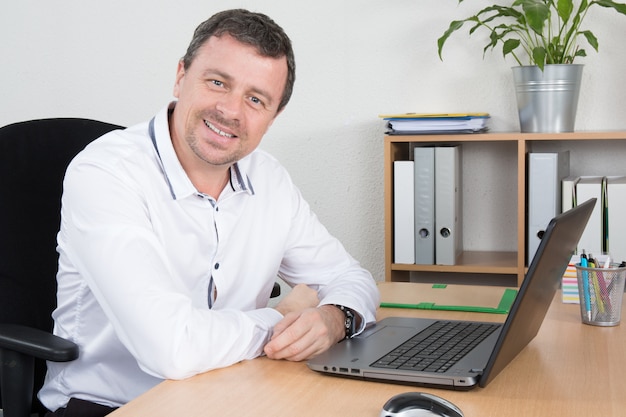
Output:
[[37, 343]]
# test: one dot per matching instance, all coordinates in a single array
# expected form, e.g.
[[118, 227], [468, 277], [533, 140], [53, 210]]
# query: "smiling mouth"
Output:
[[218, 131]]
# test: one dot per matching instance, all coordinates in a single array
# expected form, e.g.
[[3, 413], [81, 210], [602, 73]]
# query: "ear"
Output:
[[180, 78]]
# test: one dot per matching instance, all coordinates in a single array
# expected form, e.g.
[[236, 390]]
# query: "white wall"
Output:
[[115, 60]]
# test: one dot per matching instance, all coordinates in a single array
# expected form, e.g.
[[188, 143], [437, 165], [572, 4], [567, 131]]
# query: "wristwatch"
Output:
[[349, 323]]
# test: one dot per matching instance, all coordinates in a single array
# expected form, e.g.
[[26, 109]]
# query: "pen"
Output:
[[595, 281], [584, 264], [612, 283], [604, 289]]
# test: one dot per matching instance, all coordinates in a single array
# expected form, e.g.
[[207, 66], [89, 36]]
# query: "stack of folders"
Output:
[[437, 123], [427, 207]]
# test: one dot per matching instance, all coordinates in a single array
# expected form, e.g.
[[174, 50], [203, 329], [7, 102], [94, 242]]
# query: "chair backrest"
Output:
[[33, 158]]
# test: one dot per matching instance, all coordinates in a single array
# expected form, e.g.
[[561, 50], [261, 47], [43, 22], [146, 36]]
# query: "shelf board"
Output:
[[481, 262], [510, 136]]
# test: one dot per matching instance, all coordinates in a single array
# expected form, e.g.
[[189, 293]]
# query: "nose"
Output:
[[230, 105]]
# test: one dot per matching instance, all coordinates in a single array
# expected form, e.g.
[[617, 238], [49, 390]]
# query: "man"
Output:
[[173, 232]]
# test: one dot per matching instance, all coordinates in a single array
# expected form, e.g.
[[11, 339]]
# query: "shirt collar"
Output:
[[179, 183]]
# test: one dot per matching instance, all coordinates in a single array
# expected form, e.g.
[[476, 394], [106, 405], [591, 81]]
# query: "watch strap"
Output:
[[349, 320]]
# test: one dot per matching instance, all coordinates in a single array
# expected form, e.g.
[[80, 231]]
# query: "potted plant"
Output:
[[543, 37]]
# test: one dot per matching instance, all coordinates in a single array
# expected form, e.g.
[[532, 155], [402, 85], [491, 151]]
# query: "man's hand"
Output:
[[299, 298], [307, 333]]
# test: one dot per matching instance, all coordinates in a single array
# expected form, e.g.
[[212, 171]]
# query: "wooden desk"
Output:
[[569, 369]]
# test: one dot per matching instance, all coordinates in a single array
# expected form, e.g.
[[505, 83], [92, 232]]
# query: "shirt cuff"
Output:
[[363, 320], [266, 317]]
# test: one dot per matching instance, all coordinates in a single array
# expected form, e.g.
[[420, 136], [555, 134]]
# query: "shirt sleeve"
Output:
[[316, 258]]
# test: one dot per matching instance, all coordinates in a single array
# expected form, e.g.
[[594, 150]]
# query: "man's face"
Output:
[[227, 99]]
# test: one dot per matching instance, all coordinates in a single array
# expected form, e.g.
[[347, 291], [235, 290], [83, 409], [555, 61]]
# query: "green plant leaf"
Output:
[[620, 7], [591, 39], [537, 13], [564, 8], [539, 57], [509, 46], [454, 26]]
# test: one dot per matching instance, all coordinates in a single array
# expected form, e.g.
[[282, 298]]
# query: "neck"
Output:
[[211, 185]]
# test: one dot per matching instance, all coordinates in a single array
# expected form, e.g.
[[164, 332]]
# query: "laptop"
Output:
[[401, 350]]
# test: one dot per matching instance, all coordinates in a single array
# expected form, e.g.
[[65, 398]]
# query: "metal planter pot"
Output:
[[547, 100]]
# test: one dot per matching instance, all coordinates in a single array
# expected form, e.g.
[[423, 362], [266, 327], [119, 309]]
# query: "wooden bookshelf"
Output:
[[495, 261]]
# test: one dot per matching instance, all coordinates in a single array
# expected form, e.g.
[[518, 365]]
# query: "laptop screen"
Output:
[[539, 287]]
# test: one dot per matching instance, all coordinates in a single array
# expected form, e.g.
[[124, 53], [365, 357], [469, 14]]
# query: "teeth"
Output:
[[216, 130]]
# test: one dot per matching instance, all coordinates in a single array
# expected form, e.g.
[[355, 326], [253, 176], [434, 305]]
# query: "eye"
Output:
[[256, 100], [217, 83]]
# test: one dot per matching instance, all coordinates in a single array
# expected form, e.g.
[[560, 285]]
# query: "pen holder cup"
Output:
[[601, 291]]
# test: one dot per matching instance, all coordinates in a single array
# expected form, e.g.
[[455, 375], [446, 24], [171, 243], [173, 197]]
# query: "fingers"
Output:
[[291, 339], [300, 336], [284, 324]]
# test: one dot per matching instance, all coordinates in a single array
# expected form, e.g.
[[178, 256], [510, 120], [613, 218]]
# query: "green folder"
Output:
[[496, 300]]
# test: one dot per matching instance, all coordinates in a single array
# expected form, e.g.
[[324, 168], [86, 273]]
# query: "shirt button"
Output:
[[217, 265]]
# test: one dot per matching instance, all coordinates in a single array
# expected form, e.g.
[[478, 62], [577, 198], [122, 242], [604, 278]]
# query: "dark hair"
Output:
[[254, 29]]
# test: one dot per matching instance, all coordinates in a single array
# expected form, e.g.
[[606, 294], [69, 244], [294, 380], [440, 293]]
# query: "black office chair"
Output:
[[33, 158]]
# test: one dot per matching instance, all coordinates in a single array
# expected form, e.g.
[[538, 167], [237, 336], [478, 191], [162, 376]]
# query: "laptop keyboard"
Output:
[[437, 347]]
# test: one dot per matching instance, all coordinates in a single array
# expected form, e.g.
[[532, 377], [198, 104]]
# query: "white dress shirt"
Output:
[[157, 281]]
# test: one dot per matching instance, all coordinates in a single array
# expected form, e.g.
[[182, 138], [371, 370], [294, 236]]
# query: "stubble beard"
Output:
[[212, 153]]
